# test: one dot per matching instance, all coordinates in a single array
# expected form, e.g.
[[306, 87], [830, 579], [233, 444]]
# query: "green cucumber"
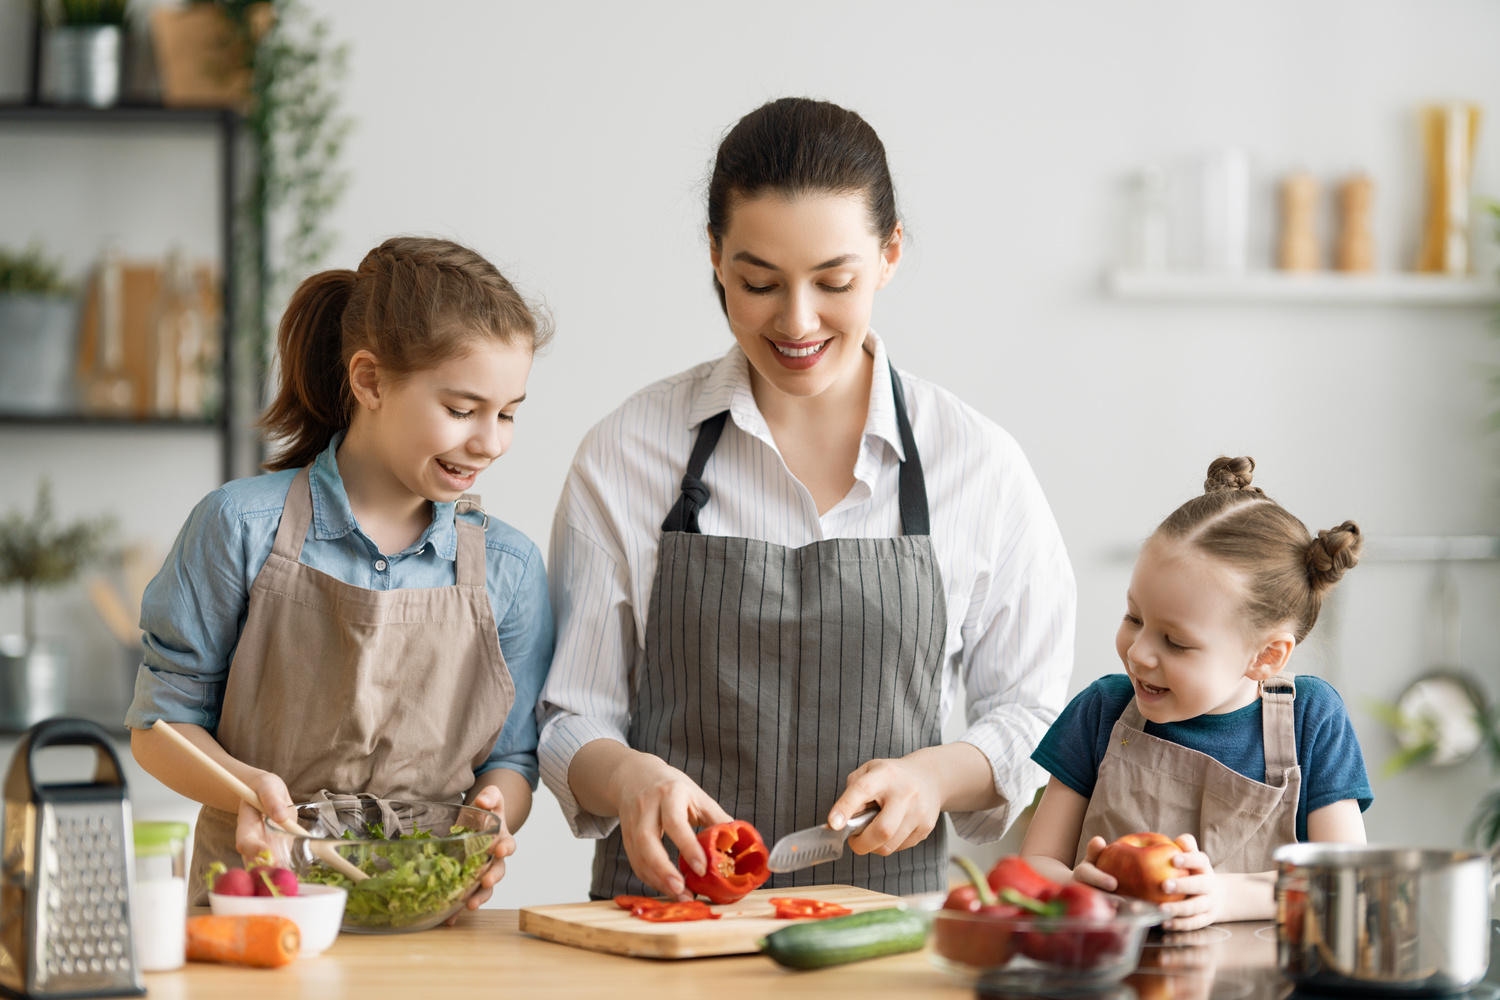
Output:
[[859, 936]]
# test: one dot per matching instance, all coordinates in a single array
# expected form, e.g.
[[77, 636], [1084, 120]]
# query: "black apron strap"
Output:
[[913, 485], [684, 513]]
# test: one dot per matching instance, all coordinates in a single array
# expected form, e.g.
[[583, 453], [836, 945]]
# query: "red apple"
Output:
[[1140, 862]]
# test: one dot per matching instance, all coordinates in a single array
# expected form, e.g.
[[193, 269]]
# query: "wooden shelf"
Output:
[[135, 113], [1271, 287], [122, 423]]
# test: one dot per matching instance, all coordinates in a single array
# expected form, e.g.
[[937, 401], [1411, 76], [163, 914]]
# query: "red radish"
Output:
[[234, 882], [271, 881]]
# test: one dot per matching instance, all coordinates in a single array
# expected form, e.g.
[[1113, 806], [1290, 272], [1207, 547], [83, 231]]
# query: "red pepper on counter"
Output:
[[788, 908], [736, 862]]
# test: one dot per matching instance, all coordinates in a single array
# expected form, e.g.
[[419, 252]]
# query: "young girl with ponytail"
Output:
[[354, 622], [1203, 738]]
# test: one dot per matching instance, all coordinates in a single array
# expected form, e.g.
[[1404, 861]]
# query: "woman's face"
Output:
[[800, 276]]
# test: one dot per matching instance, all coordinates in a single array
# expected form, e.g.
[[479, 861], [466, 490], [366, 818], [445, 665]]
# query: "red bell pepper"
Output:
[[639, 904], [670, 913], [736, 862], [789, 908], [1072, 929], [983, 941], [1013, 872]]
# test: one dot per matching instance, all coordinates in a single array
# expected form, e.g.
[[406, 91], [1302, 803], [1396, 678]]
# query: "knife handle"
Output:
[[860, 821]]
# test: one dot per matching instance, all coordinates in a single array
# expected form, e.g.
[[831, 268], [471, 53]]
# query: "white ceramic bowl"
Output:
[[317, 910]]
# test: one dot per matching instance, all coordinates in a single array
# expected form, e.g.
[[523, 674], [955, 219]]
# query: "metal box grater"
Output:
[[67, 874]]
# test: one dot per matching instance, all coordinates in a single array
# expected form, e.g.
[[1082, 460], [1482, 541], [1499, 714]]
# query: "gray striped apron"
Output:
[[771, 673]]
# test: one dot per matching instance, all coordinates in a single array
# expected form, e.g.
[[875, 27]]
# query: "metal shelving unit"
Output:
[[236, 449]]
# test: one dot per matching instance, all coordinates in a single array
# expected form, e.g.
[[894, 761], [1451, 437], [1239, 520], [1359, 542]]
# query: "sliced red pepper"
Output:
[[1013, 873], [736, 862], [671, 913], [637, 904], [790, 908]]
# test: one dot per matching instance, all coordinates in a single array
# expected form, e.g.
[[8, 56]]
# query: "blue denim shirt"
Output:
[[194, 609]]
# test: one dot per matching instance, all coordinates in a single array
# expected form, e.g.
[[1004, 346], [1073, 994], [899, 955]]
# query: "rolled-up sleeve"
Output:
[[526, 643], [191, 615], [587, 695], [1017, 654]]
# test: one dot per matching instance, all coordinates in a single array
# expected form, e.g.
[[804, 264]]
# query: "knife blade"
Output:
[[815, 845]]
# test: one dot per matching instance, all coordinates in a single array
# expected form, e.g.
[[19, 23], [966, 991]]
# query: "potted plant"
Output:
[[38, 334], [35, 552], [84, 52]]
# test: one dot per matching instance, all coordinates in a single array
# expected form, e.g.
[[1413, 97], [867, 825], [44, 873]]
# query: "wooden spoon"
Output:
[[325, 852]]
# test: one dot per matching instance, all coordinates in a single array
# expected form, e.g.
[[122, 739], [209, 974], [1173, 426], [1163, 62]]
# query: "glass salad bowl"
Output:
[[1032, 954], [419, 876]]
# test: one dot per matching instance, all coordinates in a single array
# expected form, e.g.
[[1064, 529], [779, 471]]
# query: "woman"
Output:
[[784, 647]]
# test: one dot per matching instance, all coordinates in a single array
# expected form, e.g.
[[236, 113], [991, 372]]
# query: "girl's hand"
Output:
[[489, 797], [1088, 873], [910, 802], [1205, 890], [655, 798], [250, 831]]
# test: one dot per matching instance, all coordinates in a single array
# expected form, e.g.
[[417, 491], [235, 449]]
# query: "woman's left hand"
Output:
[[910, 802], [1205, 890], [489, 797]]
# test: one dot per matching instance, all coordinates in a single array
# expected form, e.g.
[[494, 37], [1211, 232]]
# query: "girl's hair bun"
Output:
[[1231, 474], [1332, 554]]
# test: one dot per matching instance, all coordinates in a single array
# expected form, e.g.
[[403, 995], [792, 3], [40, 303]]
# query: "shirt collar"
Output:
[[333, 517], [727, 387]]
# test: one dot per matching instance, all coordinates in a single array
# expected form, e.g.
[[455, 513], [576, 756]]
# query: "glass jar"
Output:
[[158, 912]]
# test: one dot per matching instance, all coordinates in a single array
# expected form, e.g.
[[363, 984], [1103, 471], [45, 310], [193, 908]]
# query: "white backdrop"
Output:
[[571, 142]]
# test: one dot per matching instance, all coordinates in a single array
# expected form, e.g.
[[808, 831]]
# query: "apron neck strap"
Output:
[[468, 567], [694, 497], [296, 516], [1278, 726]]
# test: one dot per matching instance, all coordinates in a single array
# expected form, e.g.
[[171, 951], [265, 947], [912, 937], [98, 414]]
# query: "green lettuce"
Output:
[[412, 878]]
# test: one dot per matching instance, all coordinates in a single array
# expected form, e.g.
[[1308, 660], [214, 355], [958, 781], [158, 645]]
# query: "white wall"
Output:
[[570, 142]]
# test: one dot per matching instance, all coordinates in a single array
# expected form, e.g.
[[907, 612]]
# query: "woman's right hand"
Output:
[[250, 832], [656, 798]]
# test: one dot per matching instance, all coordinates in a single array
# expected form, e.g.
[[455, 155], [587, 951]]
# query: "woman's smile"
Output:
[[800, 355]]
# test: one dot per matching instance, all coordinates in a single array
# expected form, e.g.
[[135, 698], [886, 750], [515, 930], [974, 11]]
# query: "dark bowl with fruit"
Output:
[[423, 859]]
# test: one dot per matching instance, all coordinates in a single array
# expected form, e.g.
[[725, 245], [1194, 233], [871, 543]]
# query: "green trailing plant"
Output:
[[36, 552], [298, 132], [31, 272]]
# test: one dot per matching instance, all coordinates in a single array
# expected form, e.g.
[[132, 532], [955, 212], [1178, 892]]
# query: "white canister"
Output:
[[158, 911]]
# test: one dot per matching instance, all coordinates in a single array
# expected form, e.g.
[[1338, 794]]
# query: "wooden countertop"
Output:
[[486, 955]]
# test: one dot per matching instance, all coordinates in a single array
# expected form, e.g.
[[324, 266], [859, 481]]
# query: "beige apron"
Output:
[[1150, 784], [398, 693]]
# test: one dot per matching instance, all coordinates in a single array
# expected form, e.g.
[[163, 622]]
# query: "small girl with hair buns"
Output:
[[1204, 738], [354, 622]]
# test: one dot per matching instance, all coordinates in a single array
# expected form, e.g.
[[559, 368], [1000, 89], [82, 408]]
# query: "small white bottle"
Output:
[[1148, 248], [158, 911]]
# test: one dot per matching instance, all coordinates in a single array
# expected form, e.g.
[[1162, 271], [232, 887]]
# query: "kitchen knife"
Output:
[[815, 845]]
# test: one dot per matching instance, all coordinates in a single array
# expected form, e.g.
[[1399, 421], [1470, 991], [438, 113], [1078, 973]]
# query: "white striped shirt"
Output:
[[1010, 592]]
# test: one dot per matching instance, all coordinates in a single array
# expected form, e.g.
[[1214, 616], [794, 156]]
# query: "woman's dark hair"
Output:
[[1287, 571], [795, 146], [414, 303]]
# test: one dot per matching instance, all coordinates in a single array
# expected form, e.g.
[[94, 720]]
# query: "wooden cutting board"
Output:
[[603, 926]]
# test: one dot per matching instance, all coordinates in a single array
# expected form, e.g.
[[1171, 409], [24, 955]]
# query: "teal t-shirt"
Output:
[[1333, 768]]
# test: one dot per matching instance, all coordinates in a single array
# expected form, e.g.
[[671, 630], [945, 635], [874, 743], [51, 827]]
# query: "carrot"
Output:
[[267, 942]]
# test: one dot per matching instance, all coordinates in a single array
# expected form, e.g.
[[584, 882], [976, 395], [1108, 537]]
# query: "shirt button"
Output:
[[380, 565]]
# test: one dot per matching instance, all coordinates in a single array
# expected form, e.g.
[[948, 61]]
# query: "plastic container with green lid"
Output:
[[158, 909]]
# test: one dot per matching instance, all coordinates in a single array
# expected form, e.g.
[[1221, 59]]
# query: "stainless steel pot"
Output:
[[1384, 921]]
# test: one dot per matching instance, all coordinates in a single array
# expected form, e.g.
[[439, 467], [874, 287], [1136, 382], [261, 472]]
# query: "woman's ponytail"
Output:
[[312, 403]]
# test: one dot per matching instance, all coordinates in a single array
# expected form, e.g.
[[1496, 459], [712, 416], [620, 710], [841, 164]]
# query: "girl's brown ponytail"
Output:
[[312, 403]]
